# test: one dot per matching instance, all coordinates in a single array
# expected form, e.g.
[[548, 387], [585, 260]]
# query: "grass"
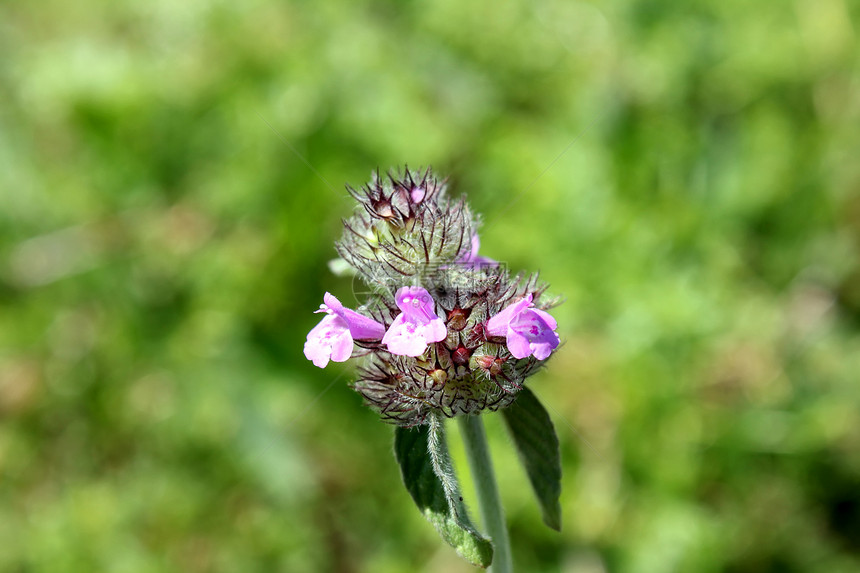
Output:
[[683, 174]]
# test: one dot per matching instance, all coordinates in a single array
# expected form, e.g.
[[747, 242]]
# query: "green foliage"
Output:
[[537, 447], [684, 173], [429, 476]]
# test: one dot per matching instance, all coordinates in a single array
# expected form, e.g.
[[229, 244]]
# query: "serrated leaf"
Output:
[[428, 475], [537, 447]]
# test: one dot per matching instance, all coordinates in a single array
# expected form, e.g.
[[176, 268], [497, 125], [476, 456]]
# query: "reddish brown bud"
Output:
[[489, 363], [457, 319], [461, 355]]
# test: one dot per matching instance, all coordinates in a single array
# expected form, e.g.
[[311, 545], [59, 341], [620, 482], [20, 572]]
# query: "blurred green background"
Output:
[[685, 174]]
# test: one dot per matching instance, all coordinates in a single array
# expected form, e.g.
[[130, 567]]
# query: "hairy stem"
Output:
[[492, 513]]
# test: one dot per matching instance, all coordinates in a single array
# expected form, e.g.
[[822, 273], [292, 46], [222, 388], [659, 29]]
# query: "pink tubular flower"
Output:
[[474, 259], [332, 338], [416, 326], [529, 330]]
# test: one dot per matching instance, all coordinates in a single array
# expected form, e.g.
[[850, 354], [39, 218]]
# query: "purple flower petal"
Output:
[[416, 303], [473, 258], [527, 330], [360, 326], [542, 339], [417, 194], [341, 348], [332, 338], [329, 340], [545, 316], [518, 345], [543, 350], [405, 338], [476, 246], [416, 326], [498, 324], [435, 330]]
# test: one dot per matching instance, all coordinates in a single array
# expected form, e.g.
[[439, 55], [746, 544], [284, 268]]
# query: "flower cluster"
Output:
[[446, 330]]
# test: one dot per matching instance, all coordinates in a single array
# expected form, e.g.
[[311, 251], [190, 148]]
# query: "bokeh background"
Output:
[[171, 183]]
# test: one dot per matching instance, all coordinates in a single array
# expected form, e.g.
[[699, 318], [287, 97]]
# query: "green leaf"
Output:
[[537, 447], [425, 465]]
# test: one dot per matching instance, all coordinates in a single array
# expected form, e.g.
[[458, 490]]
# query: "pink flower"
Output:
[[529, 330], [474, 259], [417, 194], [416, 326], [332, 338]]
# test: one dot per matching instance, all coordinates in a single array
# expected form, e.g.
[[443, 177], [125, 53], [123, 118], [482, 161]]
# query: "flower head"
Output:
[[528, 330], [403, 225], [417, 324], [436, 348], [332, 338], [424, 366]]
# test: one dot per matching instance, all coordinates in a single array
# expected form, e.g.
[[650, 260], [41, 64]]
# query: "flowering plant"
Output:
[[445, 333]]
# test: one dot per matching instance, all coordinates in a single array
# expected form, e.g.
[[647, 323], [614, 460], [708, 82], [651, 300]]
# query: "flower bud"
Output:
[[457, 319]]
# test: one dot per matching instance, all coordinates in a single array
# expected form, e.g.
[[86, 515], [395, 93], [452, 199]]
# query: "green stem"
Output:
[[492, 513]]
